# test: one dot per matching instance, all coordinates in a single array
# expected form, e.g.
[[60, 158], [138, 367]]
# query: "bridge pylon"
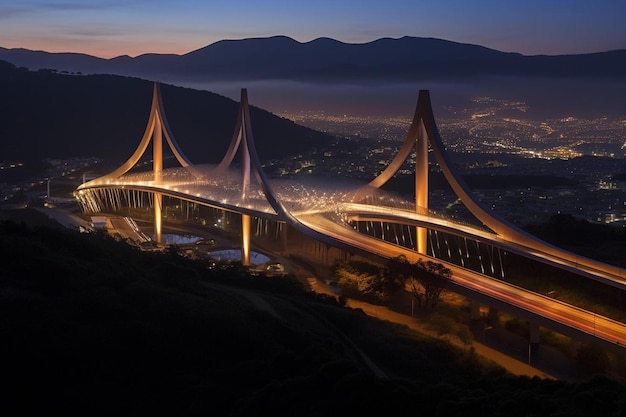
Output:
[[251, 168], [156, 128], [423, 135], [239, 142], [417, 139]]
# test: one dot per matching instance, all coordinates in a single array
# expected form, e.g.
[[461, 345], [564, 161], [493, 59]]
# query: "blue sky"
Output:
[[109, 28]]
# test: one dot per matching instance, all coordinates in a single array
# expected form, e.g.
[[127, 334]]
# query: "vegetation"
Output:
[[93, 326], [366, 279], [426, 282], [425, 279], [388, 284]]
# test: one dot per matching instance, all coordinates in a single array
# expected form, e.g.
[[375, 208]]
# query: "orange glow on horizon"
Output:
[[103, 49]]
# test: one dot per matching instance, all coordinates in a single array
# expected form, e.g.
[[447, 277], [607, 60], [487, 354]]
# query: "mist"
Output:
[[546, 98]]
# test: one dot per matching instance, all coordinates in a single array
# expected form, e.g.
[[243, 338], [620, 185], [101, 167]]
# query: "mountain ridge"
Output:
[[407, 58]]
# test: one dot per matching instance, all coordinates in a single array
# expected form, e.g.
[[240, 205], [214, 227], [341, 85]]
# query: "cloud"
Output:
[[11, 11], [37, 7]]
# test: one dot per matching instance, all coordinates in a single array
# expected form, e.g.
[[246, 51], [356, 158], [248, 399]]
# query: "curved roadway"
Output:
[[311, 214], [546, 311], [543, 310]]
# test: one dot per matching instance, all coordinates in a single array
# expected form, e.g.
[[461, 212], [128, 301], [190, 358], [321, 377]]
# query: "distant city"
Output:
[[490, 126], [491, 137]]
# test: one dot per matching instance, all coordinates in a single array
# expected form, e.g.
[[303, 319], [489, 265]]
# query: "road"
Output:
[[546, 311], [561, 317]]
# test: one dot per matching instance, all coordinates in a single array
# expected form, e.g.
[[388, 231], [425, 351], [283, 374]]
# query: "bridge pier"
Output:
[[284, 234], [320, 252], [158, 218], [245, 239], [305, 247]]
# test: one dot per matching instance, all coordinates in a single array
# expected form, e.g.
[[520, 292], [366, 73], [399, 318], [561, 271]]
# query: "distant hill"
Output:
[[324, 59], [50, 115]]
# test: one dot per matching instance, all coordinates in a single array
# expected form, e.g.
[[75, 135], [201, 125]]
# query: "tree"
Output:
[[400, 268], [434, 278], [367, 278], [425, 279]]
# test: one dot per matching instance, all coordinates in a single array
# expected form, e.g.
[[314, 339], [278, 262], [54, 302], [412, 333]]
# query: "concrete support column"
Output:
[[284, 235], [158, 219], [245, 239]]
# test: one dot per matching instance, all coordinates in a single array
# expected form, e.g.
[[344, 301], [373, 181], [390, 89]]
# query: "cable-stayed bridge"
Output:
[[344, 218]]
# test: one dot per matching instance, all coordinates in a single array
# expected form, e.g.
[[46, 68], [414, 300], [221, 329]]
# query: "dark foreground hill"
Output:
[[92, 326], [52, 115]]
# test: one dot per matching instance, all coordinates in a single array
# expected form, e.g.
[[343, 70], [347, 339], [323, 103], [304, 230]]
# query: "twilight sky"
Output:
[[109, 28]]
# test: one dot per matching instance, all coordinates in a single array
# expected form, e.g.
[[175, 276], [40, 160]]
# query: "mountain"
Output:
[[324, 59], [51, 115]]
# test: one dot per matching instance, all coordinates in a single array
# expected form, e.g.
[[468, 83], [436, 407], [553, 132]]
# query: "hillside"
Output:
[[52, 115], [93, 326]]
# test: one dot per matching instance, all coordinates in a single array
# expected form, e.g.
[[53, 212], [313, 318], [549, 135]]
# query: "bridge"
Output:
[[337, 220]]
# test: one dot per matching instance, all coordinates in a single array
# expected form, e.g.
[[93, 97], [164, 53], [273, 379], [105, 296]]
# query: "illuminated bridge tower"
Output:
[[97, 192], [240, 142], [243, 141], [424, 135], [155, 129], [416, 139]]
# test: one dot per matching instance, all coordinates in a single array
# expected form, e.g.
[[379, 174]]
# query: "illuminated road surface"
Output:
[[326, 205], [568, 315]]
